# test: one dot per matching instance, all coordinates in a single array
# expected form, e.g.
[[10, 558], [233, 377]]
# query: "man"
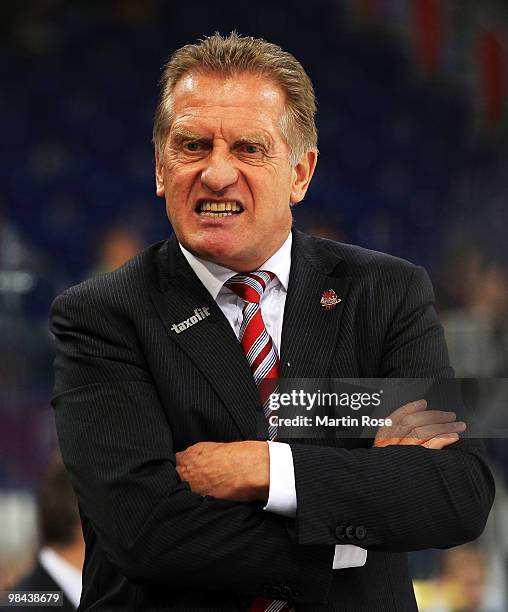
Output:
[[60, 559], [184, 503]]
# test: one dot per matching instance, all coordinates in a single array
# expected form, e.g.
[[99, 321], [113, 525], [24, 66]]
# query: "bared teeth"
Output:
[[220, 207]]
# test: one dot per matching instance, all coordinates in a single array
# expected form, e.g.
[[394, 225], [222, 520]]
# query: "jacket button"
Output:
[[297, 593], [350, 532], [286, 592], [360, 532], [339, 532]]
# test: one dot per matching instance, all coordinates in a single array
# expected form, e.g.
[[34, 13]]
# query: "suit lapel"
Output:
[[310, 332], [210, 342]]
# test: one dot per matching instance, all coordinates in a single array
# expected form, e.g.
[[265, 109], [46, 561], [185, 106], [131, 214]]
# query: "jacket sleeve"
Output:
[[397, 498], [117, 445]]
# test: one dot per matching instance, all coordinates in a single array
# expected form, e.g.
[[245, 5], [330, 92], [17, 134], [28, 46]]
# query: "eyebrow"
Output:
[[181, 134], [254, 138]]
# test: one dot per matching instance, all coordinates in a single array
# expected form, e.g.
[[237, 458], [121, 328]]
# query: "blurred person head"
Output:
[[462, 271], [488, 296], [118, 246], [477, 283], [58, 514], [464, 572], [235, 147], [320, 225]]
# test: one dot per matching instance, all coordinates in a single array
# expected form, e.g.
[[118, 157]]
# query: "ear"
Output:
[[159, 174], [302, 175]]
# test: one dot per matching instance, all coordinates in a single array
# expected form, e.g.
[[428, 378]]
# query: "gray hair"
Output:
[[235, 54]]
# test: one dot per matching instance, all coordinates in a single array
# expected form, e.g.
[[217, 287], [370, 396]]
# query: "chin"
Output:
[[222, 253]]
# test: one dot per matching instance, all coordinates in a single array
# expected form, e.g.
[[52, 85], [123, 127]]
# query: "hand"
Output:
[[413, 425], [238, 471]]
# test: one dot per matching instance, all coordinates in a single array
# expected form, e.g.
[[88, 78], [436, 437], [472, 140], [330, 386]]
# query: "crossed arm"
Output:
[[163, 517], [240, 471], [117, 445]]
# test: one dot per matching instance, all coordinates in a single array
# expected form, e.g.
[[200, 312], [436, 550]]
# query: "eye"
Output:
[[250, 148], [192, 146]]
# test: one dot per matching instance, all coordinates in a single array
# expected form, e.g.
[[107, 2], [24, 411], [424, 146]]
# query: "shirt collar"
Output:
[[63, 573], [213, 276]]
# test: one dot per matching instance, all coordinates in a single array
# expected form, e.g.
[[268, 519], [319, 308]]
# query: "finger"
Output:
[[428, 417], [439, 442], [418, 436], [408, 409], [380, 442], [406, 427], [422, 434], [399, 428], [400, 431]]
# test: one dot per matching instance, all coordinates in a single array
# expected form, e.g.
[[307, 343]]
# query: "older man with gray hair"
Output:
[[189, 497]]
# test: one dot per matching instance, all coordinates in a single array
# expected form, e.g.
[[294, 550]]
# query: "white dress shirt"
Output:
[[282, 490], [63, 573]]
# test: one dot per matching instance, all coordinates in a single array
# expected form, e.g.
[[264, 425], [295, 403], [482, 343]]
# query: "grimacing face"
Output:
[[225, 172]]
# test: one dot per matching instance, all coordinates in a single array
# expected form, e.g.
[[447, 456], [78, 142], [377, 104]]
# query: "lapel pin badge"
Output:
[[329, 299], [199, 315]]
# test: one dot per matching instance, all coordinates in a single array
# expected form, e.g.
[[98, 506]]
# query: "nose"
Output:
[[219, 173]]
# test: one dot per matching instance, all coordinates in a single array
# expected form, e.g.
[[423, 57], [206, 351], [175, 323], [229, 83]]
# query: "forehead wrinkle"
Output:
[[236, 112], [210, 96], [239, 134], [200, 115]]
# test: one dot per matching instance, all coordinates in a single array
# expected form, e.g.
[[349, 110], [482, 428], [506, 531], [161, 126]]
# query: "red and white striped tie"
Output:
[[254, 339], [264, 364]]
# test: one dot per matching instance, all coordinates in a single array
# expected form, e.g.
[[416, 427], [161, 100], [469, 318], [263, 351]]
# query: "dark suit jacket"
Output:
[[130, 392], [40, 580]]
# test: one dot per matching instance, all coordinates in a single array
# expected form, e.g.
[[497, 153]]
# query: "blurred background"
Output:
[[413, 135]]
